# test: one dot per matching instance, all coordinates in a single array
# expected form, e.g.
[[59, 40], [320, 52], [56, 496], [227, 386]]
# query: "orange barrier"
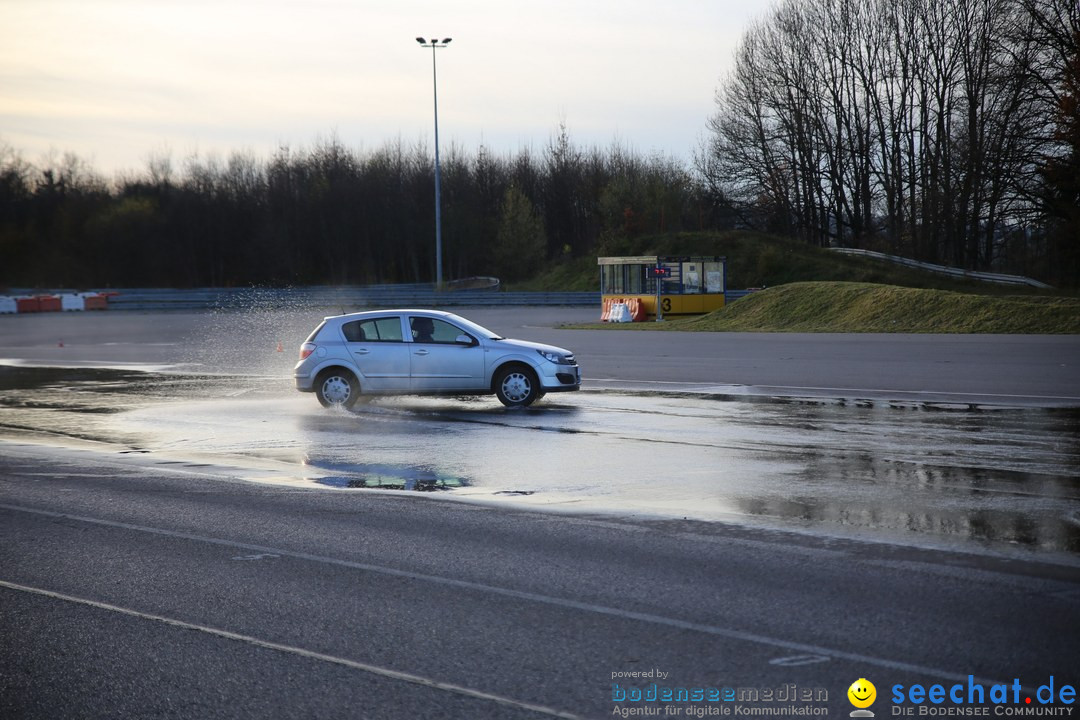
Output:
[[55, 303], [96, 302], [605, 313], [49, 303]]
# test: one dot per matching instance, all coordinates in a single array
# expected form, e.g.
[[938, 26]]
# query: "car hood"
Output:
[[509, 343]]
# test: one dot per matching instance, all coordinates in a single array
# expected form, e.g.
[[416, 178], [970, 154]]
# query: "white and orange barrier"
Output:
[[628, 309], [21, 304]]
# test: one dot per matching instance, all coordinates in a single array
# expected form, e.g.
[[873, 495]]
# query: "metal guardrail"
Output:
[[945, 270], [348, 298], [731, 296], [340, 299]]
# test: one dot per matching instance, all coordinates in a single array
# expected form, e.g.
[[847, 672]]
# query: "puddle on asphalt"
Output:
[[951, 472], [379, 477]]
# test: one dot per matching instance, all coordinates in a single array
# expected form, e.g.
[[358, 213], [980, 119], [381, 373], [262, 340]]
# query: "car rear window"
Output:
[[315, 332], [386, 329]]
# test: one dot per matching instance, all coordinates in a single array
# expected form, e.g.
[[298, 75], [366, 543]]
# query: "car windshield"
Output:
[[473, 328]]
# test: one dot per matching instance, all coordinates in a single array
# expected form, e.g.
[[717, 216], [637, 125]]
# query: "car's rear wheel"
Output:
[[517, 386], [337, 388]]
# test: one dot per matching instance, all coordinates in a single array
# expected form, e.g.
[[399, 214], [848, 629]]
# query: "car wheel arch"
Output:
[[332, 363], [505, 364]]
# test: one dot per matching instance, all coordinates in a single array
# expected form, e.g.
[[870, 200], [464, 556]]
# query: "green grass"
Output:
[[574, 275], [875, 308]]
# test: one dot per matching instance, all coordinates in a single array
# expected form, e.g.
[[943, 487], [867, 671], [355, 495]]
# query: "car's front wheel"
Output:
[[337, 388], [517, 386]]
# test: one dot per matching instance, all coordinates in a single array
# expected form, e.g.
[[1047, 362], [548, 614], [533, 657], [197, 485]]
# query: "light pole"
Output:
[[434, 43]]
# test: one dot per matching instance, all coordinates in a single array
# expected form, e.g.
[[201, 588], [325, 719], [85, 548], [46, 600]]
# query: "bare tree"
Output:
[[909, 125]]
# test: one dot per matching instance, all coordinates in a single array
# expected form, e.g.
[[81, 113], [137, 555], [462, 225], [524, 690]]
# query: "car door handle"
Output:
[[362, 351], [421, 352]]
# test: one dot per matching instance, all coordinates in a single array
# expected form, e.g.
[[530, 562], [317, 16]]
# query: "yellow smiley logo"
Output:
[[862, 693]]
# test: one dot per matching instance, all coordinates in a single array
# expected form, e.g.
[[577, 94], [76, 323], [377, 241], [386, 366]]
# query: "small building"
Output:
[[688, 285]]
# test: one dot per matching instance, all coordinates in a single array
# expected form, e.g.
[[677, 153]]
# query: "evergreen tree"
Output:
[[520, 243]]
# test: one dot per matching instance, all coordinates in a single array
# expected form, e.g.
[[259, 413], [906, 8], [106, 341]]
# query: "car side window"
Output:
[[430, 330], [389, 329], [377, 330]]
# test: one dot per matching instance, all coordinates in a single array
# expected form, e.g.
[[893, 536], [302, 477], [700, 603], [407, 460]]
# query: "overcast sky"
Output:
[[119, 81]]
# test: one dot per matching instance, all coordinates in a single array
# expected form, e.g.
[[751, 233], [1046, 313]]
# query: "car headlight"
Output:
[[553, 357]]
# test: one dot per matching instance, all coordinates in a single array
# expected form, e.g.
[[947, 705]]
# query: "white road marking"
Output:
[[311, 655], [796, 660], [740, 635]]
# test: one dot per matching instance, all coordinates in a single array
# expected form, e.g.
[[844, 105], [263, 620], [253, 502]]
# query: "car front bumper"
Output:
[[564, 378]]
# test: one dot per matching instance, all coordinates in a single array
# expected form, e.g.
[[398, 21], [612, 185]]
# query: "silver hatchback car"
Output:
[[424, 352]]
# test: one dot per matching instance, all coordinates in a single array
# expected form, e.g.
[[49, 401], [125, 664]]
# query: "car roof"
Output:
[[384, 313]]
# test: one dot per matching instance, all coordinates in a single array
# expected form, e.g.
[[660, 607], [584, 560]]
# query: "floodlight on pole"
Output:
[[433, 44]]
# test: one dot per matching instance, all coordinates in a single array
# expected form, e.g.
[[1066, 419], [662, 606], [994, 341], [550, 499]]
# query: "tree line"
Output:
[[329, 214], [944, 130]]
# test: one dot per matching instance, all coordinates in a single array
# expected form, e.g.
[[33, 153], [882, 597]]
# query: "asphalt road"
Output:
[[1033, 370], [164, 594], [133, 589]]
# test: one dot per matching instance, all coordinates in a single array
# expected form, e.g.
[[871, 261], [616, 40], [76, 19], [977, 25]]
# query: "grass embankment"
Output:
[[758, 260], [873, 308], [811, 289]]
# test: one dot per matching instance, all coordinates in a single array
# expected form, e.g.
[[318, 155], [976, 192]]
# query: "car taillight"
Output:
[[306, 349]]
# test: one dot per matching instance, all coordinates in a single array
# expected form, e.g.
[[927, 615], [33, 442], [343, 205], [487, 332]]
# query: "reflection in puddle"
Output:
[[985, 504], [969, 474], [382, 477]]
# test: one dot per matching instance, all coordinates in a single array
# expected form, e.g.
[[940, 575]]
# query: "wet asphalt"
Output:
[[179, 544], [1014, 370]]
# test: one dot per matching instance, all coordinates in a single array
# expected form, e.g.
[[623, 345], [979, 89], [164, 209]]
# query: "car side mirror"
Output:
[[465, 340]]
